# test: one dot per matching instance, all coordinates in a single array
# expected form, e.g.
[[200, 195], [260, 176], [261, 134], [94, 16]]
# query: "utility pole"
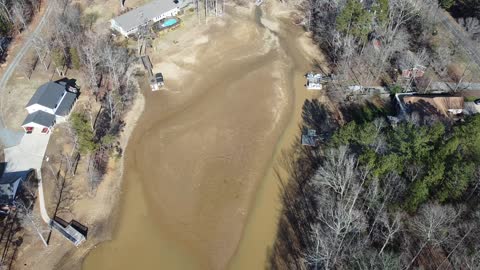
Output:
[[33, 223], [197, 11], [206, 11]]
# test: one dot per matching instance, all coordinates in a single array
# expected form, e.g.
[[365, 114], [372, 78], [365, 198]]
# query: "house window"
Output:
[[29, 130], [45, 130]]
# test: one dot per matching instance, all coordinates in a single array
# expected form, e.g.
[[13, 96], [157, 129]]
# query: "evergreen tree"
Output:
[[446, 4], [84, 132], [380, 8], [74, 58], [354, 20], [58, 57]]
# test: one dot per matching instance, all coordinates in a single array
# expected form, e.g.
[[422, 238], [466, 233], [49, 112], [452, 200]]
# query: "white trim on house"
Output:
[[48, 108], [36, 128], [128, 23]]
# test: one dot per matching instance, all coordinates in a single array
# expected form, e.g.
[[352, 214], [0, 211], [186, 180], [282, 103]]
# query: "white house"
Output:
[[128, 23], [50, 104]]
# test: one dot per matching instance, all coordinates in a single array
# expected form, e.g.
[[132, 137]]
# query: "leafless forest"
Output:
[[344, 210], [373, 195], [368, 41], [15, 16]]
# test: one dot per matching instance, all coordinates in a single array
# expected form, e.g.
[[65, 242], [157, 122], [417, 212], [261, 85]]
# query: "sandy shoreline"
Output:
[[197, 176], [101, 218], [227, 134]]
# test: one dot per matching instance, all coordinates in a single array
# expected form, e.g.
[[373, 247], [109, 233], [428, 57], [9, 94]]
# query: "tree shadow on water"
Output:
[[316, 116]]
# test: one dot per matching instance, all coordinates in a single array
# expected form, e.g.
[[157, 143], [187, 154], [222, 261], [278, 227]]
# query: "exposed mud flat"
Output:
[[203, 146]]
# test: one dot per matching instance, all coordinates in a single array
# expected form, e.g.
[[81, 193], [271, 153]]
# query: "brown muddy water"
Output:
[[199, 186]]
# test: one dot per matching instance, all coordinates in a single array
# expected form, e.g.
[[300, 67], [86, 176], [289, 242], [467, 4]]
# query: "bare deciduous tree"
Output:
[[471, 26], [392, 226], [21, 13]]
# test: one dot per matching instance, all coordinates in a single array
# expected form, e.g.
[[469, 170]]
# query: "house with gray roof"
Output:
[[50, 104], [10, 185], [129, 22]]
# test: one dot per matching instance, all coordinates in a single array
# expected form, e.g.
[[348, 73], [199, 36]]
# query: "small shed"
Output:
[[156, 82], [412, 72], [310, 138], [314, 81], [72, 231]]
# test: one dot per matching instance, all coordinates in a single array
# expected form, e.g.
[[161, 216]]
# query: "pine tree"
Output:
[[446, 4], [354, 20], [74, 58]]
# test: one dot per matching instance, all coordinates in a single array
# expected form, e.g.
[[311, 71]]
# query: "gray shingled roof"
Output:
[[41, 118], [47, 95], [11, 177], [143, 14], [66, 105]]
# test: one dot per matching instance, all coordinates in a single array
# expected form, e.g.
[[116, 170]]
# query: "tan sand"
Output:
[[202, 147], [197, 155]]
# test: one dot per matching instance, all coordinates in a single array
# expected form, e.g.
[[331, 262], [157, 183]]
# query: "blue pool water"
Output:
[[169, 22]]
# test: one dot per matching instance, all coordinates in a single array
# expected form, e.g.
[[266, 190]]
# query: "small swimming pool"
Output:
[[169, 22]]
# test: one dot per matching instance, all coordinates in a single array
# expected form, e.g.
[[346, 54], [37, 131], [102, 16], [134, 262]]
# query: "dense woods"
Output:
[[376, 196], [368, 42], [15, 15], [380, 194]]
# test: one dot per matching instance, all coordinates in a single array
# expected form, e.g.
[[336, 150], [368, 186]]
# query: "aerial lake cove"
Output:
[[199, 184]]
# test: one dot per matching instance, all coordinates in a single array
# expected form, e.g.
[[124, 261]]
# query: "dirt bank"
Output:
[[261, 227], [200, 150], [95, 212]]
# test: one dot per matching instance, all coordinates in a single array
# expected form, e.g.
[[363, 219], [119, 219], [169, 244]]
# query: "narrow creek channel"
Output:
[[261, 228], [200, 186]]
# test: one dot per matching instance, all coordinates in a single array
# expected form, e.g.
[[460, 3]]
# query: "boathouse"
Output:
[[314, 81], [72, 231]]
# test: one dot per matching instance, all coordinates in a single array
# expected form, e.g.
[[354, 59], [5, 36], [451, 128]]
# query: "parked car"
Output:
[[477, 101]]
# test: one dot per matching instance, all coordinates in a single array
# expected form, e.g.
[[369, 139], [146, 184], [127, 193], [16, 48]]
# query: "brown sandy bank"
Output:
[[199, 150], [202, 147], [261, 227]]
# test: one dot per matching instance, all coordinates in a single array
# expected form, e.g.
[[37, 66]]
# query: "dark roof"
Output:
[[41, 118], [309, 140], [66, 104], [11, 177], [48, 95]]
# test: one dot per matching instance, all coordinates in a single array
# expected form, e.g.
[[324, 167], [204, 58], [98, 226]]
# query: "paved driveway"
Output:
[[28, 154]]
